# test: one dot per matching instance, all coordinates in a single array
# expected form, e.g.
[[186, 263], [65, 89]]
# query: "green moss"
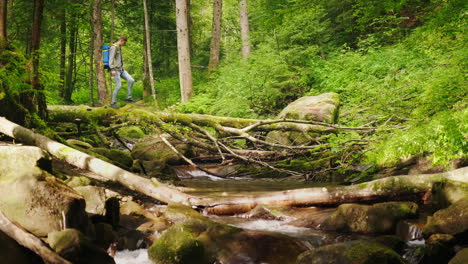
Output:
[[177, 245], [119, 157], [370, 253], [131, 132]]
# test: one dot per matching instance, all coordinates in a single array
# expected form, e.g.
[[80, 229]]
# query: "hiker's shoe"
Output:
[[130, 100], [114, 106]]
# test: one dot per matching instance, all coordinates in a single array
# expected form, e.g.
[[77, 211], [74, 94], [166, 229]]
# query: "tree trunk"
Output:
[[91, 70], [63, 51], [30, 241], [148, 51], [35, 101], [245, 31], [69, 83], [216, 34], [146, 78], [112, 29], [97, 53], [183, 48], [3, 19]]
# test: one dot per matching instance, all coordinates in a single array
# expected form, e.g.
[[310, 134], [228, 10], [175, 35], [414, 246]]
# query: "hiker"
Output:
[[116, 66]]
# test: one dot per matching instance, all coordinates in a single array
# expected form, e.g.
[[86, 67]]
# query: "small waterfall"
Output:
[[139, 256]]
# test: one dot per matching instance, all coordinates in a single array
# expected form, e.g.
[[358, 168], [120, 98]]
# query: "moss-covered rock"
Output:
[[13, 253], [352, 252], [76, 181], [207, 242], [131, 133], [377, 218], [34, 198], [323, 108], [76, 247], [120, 158], [452, 220]]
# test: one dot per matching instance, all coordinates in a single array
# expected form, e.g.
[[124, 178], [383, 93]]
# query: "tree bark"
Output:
[[112, 29], [63, 50], [148, 51], [183, 48], [216, 34], [97, 36], [35, 101], [30, 241], [69, 82], [3, 19], [245, 31], [91, 70]]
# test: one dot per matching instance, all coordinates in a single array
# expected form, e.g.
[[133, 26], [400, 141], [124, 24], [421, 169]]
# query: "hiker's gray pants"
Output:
[[118, 84]]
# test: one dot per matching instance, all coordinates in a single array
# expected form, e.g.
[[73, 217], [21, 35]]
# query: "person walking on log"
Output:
[[116, 65]]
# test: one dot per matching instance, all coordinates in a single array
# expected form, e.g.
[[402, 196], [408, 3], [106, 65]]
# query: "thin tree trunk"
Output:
[[216, 34], [148, 51], [3, 19], [97, 54], [30, 241], [245, 31], [183, 48], [63, 51], [35, 101], [69, 84], [146, 78], [112, 29], [91, 71]]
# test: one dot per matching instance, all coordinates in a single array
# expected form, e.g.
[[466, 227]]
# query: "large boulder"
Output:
[[196, 239], [32, 197], [377, 218], [76, 247], [460, 258], [352, 252], [322, 108], [452, 220]]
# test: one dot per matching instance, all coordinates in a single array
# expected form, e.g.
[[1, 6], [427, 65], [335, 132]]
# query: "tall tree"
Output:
[[63, 49], [3, 19], [148, 60], [183, 51], [69, 79], [215, 34], [245, 31], [91, 72], [35, 100], [97, 54], [112, 29]]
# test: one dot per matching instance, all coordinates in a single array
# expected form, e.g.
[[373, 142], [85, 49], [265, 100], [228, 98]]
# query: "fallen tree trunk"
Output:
[[152, 188], [30, 241], [386, 188]]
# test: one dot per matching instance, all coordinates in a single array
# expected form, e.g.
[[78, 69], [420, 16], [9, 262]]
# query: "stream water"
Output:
[[200, 183]]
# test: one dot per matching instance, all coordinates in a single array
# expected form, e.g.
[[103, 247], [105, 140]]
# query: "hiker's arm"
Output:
[[112, 57]]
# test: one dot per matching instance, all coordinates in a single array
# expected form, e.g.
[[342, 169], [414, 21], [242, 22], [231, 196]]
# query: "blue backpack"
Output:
[[105, 56]]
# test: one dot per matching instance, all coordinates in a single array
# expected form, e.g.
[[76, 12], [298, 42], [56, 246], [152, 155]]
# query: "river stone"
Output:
[[13, 253], [34, 198], [452, 220], [76, 247], [197, 239], [98, 203], [358, 251], [377, 218]]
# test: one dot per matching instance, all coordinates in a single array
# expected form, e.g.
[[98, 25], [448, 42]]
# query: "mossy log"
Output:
[[30, 241], [386, 188]]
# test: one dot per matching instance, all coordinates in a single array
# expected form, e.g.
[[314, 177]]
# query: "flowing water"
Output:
[[200, 183]]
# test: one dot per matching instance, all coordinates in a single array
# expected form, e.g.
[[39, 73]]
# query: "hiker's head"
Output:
[[122, 40]]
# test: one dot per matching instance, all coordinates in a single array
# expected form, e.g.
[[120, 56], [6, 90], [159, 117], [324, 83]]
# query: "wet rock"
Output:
[[260, 212], [452, 220], [14, 253], [78, 143], [74, 246], [441, 238], [377, 218], [446, 193], [196, 239], [392, 241], [34, 198], [100, 204], [460, 258], [429, 253], [358, 251]]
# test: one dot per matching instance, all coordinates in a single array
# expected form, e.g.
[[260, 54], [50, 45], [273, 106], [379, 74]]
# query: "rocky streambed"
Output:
[[90, 221]]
